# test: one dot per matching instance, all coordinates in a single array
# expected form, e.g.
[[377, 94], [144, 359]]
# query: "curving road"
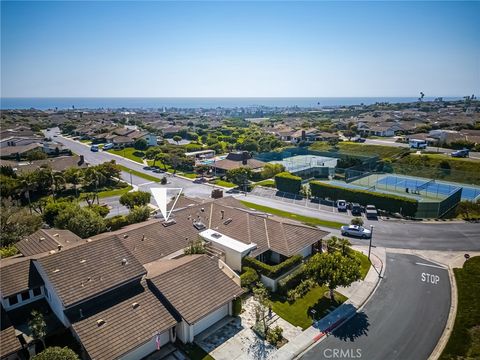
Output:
[[403, 320]]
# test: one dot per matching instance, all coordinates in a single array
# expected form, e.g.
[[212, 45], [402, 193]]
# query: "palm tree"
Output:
[[73, 176], [27, 184], [344, 244], [332, 244], [58, 182]]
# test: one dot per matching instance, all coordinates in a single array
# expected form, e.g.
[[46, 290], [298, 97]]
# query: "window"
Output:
[[25, 295], [12, 300], [37, 291]]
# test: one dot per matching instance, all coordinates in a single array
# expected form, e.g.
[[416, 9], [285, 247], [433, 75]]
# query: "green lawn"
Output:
[[139, 174], [361, 149], [466, 171], [189, 175], [267, 183], [464, 342], [364, 262], [115, 192], [129, 153], [224, 183], [305, 219], [298, 313]]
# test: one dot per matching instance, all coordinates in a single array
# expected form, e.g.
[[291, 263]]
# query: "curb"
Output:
[[447, 331]]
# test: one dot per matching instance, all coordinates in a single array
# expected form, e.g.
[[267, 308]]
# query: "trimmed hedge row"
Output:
[[248, 278], [272, 271], [387, 202], [292, 280], [288, 183]]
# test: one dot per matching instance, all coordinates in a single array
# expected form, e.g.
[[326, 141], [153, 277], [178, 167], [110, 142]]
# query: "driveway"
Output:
[[403, 320]]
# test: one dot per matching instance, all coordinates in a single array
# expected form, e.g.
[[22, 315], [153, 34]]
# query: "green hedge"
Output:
[[116, 222], [237, 306], [288, 183], [272, 271], [248, 278], [387, 202], [292, 280]]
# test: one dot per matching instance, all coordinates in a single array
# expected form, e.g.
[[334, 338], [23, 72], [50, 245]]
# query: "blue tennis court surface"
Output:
[[427, 186]]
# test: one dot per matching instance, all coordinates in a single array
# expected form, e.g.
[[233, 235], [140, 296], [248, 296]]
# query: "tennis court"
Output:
[[428, 187]]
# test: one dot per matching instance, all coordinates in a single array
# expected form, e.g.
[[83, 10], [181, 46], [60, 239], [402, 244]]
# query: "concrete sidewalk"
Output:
[[359, 293]]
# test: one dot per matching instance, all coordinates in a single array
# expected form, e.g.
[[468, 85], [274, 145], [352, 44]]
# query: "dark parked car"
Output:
[[356, 209]]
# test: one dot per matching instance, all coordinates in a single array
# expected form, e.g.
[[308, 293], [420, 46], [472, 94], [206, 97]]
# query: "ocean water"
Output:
[[193, 103]]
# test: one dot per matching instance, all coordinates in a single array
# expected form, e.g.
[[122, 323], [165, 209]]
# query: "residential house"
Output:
[[59, 163], [137, 280], [235, 160], [17, 152]]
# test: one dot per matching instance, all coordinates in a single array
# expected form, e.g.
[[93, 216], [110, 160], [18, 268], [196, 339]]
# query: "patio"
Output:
[[233, 338]]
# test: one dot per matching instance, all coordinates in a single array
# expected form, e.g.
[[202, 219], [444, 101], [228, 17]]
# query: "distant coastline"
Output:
[[147, 103]]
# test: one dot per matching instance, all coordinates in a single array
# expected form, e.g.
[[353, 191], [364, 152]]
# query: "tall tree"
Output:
[[38, 326], [15, 223], [73, 176], [333, 269]]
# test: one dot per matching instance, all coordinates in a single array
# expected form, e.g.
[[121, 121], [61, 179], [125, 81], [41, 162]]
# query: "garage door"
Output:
[[210, 319]]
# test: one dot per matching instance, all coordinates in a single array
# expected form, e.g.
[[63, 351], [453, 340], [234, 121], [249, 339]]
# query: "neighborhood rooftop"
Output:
[[92, 268], [196, 288]]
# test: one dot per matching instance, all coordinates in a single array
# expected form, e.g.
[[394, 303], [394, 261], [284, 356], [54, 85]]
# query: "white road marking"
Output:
[[147, 183], [434, 266]]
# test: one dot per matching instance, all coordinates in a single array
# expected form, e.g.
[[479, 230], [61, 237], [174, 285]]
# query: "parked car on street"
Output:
[[356, 230], [94, 148], [341, 205], [356, 209], [371, 212], [108, 146], [460, 153]]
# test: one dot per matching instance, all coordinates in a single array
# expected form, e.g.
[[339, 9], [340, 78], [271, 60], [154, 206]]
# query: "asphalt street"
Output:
[[391, 233], [94, 158], [403, 320], [448, 236]]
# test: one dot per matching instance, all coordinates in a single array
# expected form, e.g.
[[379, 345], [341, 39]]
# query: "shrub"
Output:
[[237, 306], [249, 277], [272, 271], [81, 221], [292, 280], [357, 221], [141, 144], [116, 222], [8, 251], [288, 183], [301, 290], [387, 202], [56, 353], [138, 214], [100, 210], [135, 198], [275, 335], [164, 180]]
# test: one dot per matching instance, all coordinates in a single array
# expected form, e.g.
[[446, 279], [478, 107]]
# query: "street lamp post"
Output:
[[370, 243]]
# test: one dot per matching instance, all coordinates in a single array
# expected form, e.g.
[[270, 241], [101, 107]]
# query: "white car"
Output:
[[341, 205], [355, 230]]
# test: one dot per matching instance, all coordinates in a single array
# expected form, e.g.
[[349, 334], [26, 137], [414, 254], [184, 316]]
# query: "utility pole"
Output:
[[370, 243]]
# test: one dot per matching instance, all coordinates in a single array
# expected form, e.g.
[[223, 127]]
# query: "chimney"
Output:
[[244, 158], [223, 213], [303, 135], [82, 160]]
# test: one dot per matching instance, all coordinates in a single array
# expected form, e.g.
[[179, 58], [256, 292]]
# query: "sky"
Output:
[[239, 49]]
